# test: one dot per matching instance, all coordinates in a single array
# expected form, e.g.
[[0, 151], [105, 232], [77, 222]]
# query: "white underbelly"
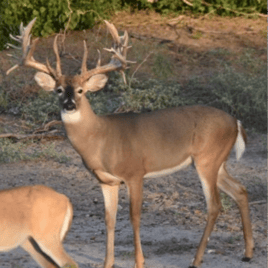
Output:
[[107, 178], [168, 171]]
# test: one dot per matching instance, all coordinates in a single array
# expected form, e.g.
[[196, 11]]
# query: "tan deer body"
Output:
[[142, 140], [37, 219], [129, 147]]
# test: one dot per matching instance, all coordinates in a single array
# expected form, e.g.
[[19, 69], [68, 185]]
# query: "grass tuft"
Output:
[[21, 151]]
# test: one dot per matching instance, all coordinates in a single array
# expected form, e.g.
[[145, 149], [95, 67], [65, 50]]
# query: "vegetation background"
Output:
[[55, 15], [232, 80]]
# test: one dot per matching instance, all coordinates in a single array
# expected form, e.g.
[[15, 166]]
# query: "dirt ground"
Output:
[[174, 210], [173, 214]]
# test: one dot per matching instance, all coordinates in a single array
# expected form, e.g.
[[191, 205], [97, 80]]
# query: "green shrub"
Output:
[[52, 15], [11, 152], [220, 7], [152, 95], [240, 94], [18, 151], [40, 109]]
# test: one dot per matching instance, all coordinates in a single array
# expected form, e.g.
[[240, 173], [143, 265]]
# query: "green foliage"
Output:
[[220, 7], [152, 95], [17, 151], [240, 94], [226, 202], [3, 100], [41, 108], [141, 96], [11, 152], [52, 15], [162, 67], [103, 102]]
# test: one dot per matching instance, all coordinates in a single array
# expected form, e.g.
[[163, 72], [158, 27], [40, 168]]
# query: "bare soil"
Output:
[[174, 210]]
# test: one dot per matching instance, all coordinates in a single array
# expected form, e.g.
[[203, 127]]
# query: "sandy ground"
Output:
[[173, 216]]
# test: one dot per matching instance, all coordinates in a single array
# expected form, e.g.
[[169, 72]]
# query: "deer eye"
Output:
[[80, 91], [59, 90]]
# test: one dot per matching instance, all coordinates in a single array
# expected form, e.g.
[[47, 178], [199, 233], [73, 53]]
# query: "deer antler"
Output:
[[118, 61], [28, 49]]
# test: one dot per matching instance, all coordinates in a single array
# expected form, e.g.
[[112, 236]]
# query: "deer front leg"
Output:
[[110, 194], [135, 193]]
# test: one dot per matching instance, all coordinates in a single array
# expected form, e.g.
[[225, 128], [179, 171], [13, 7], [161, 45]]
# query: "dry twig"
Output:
[[258, 202]]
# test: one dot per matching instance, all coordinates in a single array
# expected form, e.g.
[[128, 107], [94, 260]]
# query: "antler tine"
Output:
[[56, 51], [22, 28], [113, 32], [84, 62], [12, 69], [51, 70], [25, 35], [99, 59], [17, 38], [125, 42]]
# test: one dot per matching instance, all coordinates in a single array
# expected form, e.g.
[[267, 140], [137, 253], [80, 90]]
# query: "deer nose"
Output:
[[69, 106]]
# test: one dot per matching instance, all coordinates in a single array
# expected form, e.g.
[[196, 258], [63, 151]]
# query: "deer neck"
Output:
[[82, 125]]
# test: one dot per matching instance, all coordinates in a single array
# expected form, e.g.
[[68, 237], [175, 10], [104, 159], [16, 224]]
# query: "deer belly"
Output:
[[168, 171], [107, 178], [10, 239]]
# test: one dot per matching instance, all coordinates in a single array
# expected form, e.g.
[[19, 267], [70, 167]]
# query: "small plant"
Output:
[[11, 152], [69, 266], [240, 94], [39, 109], [152, 95], [48, 151], [225, 202], [197, 35], [3, 100], [233, 239], [162, 67], [20, 151]]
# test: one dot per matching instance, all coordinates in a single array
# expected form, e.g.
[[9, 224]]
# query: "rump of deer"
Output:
[[129, 147], [36, 218]]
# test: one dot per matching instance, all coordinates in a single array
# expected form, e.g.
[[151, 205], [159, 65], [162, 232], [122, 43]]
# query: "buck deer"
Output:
[[129, 147], [37, 219]]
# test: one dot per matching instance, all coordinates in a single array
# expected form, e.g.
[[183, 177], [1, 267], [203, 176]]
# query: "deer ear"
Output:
[[45, 81], [95, 83]]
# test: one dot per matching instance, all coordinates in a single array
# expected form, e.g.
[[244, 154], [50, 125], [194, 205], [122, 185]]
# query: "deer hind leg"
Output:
[[238, 192], [135, 194], [38, 255], [208, 177], [110, 194], [53, 248]]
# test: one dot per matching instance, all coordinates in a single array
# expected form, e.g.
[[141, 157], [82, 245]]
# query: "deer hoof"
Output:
[[246, 259]]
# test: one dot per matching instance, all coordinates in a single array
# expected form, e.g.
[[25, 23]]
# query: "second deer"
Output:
[[37, 219]]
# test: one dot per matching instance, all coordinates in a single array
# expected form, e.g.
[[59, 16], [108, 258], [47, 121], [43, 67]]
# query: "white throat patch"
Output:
[[70, 117]]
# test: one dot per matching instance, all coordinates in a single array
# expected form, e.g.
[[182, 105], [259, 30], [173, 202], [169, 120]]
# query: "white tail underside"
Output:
[[240, 145]]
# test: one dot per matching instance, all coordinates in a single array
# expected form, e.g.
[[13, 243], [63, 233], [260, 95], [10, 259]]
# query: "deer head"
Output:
[[70, 89]]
